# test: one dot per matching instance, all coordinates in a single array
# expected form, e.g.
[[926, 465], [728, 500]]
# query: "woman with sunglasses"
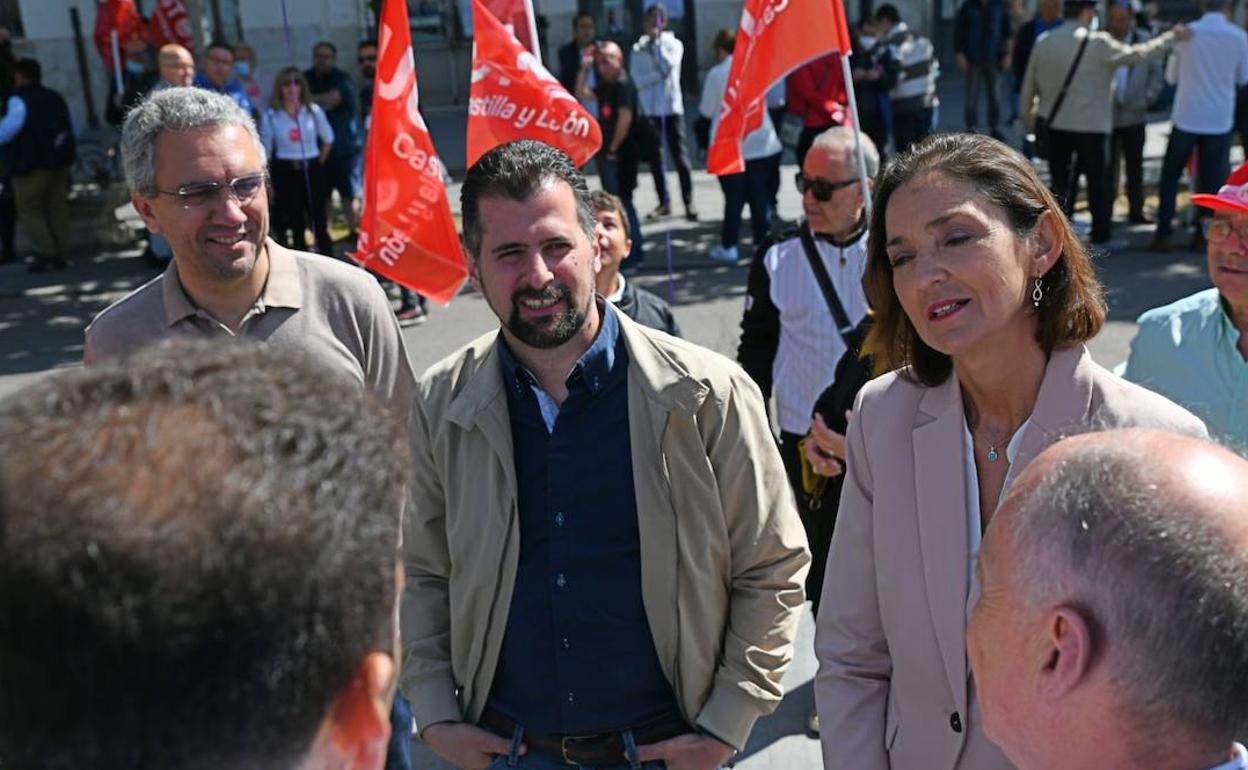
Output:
[[297, 137], [983, 297]]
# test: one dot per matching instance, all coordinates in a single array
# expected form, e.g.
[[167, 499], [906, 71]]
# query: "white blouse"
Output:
[[285, 139], [974, 523]]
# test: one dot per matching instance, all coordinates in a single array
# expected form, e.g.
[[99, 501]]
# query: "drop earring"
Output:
[[1037, 294]]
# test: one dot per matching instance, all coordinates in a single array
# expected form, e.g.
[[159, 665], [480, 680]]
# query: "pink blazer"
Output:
[[893, 688]]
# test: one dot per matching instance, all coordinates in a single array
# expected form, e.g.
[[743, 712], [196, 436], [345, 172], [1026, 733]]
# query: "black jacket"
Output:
[[46, 139], [647, 309]]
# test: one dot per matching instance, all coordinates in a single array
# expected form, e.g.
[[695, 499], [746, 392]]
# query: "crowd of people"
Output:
[[577, 541]]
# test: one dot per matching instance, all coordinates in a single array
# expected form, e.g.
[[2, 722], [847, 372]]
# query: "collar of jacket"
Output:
[[652, 373], [860, 230]]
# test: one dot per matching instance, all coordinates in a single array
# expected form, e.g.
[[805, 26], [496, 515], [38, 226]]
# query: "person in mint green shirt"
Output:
[[1195, 351]]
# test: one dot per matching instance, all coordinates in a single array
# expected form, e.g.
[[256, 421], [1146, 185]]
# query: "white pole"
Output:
[[117, 64], [862, 156]]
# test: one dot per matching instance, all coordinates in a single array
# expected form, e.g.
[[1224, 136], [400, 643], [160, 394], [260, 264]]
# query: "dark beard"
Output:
[[552, 331]]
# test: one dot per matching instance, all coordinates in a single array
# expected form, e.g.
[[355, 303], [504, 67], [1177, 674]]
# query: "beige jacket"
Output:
[[893, 688], [1089, 104], [723, 552]]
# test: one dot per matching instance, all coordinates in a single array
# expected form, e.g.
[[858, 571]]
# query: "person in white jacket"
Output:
[[654, 68], [761, 149]]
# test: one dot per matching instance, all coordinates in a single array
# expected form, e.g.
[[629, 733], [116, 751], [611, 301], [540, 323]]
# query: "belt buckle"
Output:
[[563, 747]]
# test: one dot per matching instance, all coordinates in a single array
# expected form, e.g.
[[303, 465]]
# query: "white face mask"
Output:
[[867, 42]]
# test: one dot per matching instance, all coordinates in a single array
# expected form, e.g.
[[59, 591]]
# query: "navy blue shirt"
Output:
[[980, 31], [577, 654]]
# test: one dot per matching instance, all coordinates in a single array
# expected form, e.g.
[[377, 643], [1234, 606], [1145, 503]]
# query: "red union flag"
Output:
[[119, 15], [775, 37], [514, 97], [407, 233], [170, 24], [517, 16]]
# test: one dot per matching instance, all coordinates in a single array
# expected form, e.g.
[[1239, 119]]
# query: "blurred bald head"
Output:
[[1113, 607], [177, 66], [609, 58]]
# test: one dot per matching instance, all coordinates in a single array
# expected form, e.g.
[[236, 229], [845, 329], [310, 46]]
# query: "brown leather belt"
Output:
[[596, 749]]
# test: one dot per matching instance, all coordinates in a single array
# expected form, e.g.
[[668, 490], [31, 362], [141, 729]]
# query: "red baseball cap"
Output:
[[1232, 196]]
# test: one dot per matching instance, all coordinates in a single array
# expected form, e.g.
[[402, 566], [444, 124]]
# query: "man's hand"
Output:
[[826, 449], [691, 751], [465, 746], [1182, 32], [963, 65]]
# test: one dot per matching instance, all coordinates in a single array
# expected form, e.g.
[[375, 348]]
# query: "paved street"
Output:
[[42, 317]]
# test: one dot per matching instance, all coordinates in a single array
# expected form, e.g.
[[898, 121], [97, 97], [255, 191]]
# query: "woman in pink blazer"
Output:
[[984, 297]]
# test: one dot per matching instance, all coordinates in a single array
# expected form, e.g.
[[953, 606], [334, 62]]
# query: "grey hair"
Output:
[[517, 171], [840, 140], [174, 109], [199, 541], [1163, 587]]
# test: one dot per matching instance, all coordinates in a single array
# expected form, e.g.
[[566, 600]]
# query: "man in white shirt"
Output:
[[655, 71], [1110, 626], [1207, 70], [789, 335]]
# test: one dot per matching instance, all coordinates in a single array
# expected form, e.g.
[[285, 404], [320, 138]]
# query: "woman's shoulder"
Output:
[[892, 393]]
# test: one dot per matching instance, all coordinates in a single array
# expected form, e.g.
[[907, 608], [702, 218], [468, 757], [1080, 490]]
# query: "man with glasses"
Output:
[[791, 338], [195, 168], [1195, 351]]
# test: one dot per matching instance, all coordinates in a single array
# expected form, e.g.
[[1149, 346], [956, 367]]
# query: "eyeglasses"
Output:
[[243, 189], [822, 189], [1218, 230]]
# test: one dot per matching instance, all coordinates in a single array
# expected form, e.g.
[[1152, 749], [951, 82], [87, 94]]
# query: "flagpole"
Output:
[[862, 155]]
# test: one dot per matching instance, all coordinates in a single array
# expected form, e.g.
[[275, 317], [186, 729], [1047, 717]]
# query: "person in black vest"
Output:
[[39, 143]]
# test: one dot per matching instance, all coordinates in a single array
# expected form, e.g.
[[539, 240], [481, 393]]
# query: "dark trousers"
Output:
[[1076, 153], [818, 518], [8, 219], [749, 186], [298, 201], [668, 130], [910, 127], [982, 78], [619, 177], [1127, 147], [1212, 168]]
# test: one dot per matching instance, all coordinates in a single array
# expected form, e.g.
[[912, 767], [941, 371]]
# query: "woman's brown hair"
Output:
[[285, 75], [1073, 308]]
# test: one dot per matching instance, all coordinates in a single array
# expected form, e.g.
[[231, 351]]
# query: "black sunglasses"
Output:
[[822, 189]]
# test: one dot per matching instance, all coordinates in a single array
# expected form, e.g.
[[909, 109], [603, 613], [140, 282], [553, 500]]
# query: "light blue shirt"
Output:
[[1188, 352], [1239, 761], [13, 120]]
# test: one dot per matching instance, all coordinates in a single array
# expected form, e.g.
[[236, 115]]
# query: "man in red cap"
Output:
[[1195, 351]]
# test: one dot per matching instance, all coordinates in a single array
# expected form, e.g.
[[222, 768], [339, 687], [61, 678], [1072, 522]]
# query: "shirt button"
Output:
[[559, 519], [955, 722], [566, 644], [571, 699], [561, 581]]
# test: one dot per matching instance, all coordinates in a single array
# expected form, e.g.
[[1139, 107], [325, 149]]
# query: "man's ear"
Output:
[[1068, 652], [356, 732], [146, 211]]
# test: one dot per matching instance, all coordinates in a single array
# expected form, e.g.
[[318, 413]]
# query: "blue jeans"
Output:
[[1213, 167], [399, 752], [534, 762], [753, 186]]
